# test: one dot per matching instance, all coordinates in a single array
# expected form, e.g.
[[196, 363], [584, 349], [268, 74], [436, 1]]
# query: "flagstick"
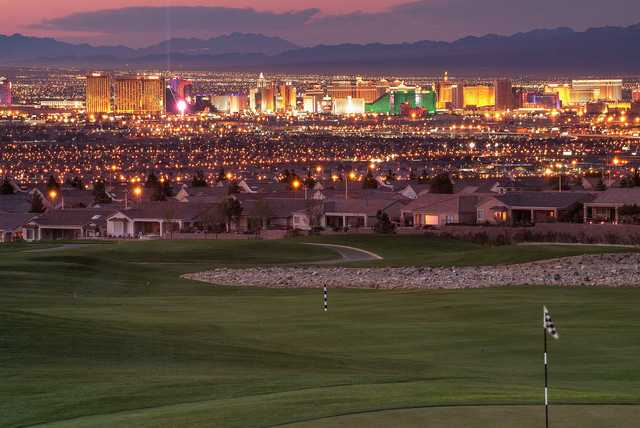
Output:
[[546, 381]]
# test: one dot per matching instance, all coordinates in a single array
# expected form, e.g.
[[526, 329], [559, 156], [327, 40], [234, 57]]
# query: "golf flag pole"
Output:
[[548, 327], [325, 298]]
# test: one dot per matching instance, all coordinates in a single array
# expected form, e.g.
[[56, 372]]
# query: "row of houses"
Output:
[[196, 209]]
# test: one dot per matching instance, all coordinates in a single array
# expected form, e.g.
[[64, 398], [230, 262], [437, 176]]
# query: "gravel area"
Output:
[[604, 270]]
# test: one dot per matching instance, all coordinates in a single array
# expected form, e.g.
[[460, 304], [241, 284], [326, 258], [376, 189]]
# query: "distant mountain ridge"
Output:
[[18, 47], [597, 50], [227, 44]]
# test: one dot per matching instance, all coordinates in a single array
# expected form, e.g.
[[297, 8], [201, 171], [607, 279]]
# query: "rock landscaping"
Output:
[[605, 270]]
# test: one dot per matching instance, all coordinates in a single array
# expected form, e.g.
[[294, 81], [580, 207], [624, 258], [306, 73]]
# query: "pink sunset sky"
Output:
[[306, 22], [17, 15]]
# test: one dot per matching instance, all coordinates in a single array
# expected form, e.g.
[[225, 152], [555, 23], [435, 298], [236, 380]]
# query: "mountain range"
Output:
[[600, 50]]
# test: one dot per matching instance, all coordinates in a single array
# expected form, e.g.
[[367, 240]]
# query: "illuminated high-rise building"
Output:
[[450, 95], [503, 94], [5, 92], [287, 98], [268, 99], [479, 96], [262, 82], [234, 103], [402, 98], [140, 95], [180, 97], [312, 99], [262, 98], [584, 91], [539, 101], [563, 91], [98, 93], [359, 89], [153, 92], [348, 105], [128, 95]]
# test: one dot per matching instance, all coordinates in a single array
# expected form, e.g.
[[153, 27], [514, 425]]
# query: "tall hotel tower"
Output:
[[98, 93], [140, 95]]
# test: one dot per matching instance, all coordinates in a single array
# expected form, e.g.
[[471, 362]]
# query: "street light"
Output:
[[352, 176], [53, 194], [137, 191]]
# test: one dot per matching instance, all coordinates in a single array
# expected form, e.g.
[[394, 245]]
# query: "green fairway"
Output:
[[410, 250], [108, 335], [486, 416]]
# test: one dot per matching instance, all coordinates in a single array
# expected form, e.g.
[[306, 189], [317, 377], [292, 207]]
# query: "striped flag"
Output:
[[549, 325], [325, 298]]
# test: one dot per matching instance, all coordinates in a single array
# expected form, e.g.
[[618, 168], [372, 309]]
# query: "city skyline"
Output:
[[306, 23]]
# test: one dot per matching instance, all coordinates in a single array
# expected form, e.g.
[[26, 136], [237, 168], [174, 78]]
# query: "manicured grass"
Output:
[[108, 335], [486, 416], [412, 250]]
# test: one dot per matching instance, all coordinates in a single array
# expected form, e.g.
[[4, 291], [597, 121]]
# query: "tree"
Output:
[[222, 176], [168, 215], [424, 177], [37, 206], [441, 183], [309, 181], [286, 177], [100, 193], [263, 212], [52, 184], [160, 189], [6, 188], [234, 188], [212, 220], [77, 183], [152, 181], [232, 210], [629, 214], [289, 177], [412, 175], [315, 211], [199, 180], [390, 177], [384, 224], [369, 181], [167, 188]]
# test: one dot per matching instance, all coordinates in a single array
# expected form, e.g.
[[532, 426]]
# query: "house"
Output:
[[67, 224], [202, 194], [604, 208], [530, 207], [356, 213], [272, 212], [19, 202], [72, 198], [414, 189], [154, 219], [11, 225], [432, 209]]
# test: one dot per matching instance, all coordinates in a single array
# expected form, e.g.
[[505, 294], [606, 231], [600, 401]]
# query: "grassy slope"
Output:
[[486, 416], [403, 250], [139, 347]]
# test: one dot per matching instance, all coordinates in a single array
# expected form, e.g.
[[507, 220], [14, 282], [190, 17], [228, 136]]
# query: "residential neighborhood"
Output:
[[42, 212]]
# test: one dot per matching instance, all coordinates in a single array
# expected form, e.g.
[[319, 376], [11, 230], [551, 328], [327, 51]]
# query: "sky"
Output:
[[138, 23]]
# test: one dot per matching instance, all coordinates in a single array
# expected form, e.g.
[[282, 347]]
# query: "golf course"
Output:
[[107, 334]]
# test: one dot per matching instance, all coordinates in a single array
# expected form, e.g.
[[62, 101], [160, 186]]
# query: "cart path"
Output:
[[347, 254]]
